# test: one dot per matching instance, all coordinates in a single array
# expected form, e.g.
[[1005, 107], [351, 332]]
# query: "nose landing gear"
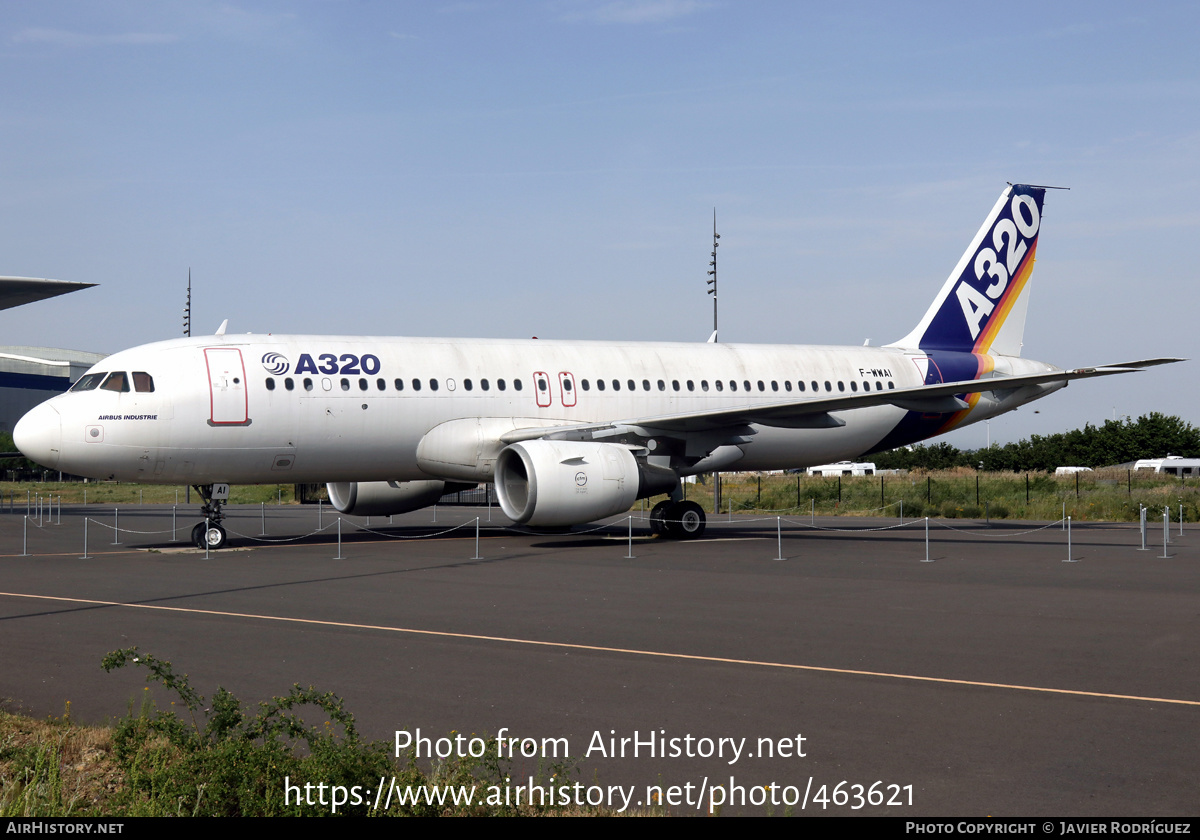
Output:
[[210, 534]]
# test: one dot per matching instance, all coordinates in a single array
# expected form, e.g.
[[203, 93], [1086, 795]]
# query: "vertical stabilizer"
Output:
[[981, 308]]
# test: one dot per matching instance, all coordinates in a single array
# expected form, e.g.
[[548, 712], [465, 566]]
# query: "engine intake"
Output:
[[558, 482]]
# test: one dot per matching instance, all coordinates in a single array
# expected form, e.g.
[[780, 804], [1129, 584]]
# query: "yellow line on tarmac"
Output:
[[602, 649]]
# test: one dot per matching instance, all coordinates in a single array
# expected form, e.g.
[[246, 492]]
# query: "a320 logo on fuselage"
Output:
[[347, 363]]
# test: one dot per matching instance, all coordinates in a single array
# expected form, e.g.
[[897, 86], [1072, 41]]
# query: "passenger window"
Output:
[[566, 384], [675, 384], [586, 386], [720, 385], [703, 384], [116, 382], [800, 384], [362, 384], [645, 384], [828, 385], [787, 385], [381, 384], [600, 384], [345, 384], [467, 384], [878, 386], [433, 385], [746, 384], [270, 384], [143, 382], [616, 384], [732, 385], [516, 385], [691, 385], [541, 384], [483, 384], [308, 386], [891, 386], [399, 383], [841, 385], [289, 384], [416, 384], [500, 384], [633, 386], [853, 385]]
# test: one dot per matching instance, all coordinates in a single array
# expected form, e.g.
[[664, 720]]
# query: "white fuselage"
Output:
[[291, 409]]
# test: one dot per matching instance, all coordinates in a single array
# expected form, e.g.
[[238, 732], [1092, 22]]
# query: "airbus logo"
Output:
[[275, 363]]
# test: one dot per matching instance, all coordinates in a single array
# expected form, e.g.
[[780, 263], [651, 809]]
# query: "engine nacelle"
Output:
[[383, 498], [565, 482]]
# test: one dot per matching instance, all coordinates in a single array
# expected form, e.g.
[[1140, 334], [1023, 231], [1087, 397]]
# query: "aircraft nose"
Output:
[[39, 435]]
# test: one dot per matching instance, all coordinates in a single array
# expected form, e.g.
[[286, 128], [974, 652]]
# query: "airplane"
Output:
[[569, 431]]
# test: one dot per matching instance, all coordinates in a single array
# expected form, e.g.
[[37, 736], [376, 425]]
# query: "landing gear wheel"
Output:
[[658, 518], [688, 521], [216, 537]]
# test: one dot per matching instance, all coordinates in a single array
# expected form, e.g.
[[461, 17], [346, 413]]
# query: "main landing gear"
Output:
[[677, 520], [210, 534]]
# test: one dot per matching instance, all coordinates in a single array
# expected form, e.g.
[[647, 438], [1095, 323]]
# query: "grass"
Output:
[[1104, 495], [115, 493], [216, 757]]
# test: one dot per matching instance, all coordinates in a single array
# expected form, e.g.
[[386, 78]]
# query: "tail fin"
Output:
[[981, 308]]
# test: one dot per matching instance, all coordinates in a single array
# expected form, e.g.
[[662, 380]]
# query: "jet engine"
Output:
[[558, 482], [383, 498]]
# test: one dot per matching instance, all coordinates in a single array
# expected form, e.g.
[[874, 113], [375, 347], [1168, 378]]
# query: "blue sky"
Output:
[[551, 168]]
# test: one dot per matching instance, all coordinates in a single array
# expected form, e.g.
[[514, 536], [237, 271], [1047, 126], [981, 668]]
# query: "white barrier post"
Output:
[[1142, 525], [116, 526], [85, 554], [320, 515], [1166, 531], [25, 537], [476, 557], [926, 560], [263, 513], [339, 556], [1068, 523], [173, 539], [779, 537], [629, 552]]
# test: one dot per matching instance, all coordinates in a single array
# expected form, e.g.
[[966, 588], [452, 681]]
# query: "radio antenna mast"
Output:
[[187, 308], [712, 274]]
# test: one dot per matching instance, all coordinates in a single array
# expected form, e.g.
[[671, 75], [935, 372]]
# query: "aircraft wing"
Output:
[[816, 413]]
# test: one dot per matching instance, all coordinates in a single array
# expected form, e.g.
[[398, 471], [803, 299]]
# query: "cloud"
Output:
[[62, 37], [637, 11]]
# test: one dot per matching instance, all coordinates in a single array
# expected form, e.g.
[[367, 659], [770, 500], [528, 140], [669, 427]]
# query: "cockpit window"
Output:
[[118, 381], [88, 382], [143, 382]]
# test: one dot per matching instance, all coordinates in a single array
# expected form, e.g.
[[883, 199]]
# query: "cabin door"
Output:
[[228, 400]]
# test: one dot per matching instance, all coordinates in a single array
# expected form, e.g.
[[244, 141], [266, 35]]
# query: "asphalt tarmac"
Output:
[[995, 679]]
